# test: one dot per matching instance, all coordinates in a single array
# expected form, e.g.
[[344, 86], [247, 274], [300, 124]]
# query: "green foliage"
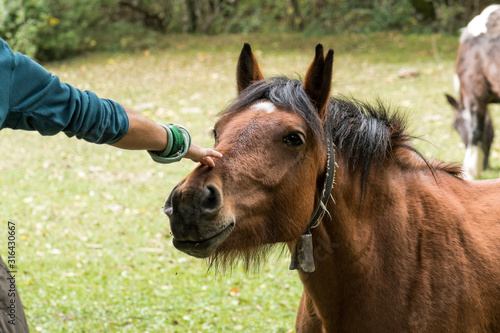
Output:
[[377, 16], [70, 26], [55, 29], [246, 17], [19, 22], [447, 17]]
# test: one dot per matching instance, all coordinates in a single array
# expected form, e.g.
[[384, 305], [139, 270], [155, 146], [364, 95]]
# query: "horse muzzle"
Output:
[[197, 218]]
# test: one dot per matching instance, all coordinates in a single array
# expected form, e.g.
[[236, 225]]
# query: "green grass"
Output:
[[93, 245]]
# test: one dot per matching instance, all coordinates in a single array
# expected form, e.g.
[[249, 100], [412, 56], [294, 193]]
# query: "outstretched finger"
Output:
[[213, 153]]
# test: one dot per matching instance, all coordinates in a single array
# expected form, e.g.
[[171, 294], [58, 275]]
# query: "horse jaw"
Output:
[[473, 162], [205, 248]]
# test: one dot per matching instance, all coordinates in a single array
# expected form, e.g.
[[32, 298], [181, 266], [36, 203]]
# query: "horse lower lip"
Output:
[[204, 248]]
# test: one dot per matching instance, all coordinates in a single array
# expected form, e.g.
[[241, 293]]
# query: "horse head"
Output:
[[476, 131], [264, 189]]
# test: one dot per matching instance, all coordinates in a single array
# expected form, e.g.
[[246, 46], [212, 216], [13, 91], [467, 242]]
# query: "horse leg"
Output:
[[307, 319], [475, 154], [488, 135]]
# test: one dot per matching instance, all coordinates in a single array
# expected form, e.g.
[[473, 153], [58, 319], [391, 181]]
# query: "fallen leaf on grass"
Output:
[[234, 292]]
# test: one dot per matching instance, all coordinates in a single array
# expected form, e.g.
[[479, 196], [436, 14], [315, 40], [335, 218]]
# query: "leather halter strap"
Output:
[[320, 210], [302, 252]]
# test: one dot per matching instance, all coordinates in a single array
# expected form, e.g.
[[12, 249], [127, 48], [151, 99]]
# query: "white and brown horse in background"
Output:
[[477, 82]]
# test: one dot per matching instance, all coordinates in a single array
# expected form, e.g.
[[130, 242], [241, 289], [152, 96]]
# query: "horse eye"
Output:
[[293, 140], [214, 134]]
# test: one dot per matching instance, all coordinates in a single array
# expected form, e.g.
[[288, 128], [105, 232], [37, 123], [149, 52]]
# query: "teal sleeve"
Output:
[[32, 99]]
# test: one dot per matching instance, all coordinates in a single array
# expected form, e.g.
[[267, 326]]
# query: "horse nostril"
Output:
[[168, 205], [167, 209], [193, 203], [212, 200]]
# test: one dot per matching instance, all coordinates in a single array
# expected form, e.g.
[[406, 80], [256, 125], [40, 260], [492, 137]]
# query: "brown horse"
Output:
[[477, 82], [406, 245]]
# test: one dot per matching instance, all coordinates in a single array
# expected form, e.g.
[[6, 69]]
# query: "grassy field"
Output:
[[93, 245]]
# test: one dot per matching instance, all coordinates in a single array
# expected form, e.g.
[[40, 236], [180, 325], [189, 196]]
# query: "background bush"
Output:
[[54, 29]]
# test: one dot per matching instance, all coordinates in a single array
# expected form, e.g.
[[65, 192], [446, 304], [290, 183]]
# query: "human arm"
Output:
[[145, 134], [33, 99]]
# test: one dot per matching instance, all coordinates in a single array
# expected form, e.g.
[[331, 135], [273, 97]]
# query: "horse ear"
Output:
[[318, 80], [452, 101], [248, 69]]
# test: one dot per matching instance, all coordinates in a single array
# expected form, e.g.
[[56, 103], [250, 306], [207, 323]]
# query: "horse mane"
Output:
[[365, 135]]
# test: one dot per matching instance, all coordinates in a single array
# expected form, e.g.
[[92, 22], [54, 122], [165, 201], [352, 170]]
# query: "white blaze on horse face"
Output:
[[473, 162], [478, 24], [265, 105]]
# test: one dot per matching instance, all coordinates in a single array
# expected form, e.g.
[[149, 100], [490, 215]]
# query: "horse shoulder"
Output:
[[457, 256], [466, 206], [482, 200]]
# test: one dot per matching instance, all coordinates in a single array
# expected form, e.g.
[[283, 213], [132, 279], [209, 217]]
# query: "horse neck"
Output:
[[346, 253]]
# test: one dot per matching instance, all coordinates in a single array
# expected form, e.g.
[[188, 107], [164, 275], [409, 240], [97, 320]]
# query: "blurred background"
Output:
[[55, 29]]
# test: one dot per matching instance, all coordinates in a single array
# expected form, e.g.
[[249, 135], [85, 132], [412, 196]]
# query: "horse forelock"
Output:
[[287, 94]]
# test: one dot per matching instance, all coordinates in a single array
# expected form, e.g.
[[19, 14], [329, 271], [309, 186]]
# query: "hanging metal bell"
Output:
[[302, 254]]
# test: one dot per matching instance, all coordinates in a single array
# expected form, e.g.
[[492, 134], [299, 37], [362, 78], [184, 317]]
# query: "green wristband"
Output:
[[178, 140], [178, 144]]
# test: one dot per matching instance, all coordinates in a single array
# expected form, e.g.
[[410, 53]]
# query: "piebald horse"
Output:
[[477, 81], [383, 239]]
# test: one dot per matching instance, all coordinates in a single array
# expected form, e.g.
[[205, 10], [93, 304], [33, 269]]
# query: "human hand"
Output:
[[202, 155]]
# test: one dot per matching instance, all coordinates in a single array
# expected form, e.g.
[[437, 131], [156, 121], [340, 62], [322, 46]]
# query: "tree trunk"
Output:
[[296, 17], [425, 8], [191, 19], [318, 8]]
